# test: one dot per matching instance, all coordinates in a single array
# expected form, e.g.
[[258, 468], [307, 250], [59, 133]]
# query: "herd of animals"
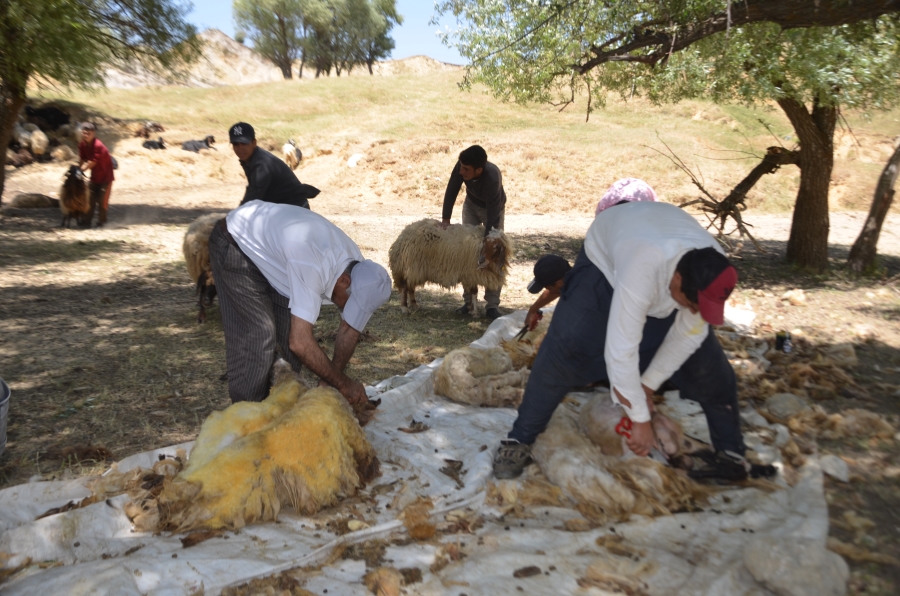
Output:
[[423, 252]]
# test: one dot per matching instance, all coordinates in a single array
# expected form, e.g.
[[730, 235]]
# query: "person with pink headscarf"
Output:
[[625, 190]]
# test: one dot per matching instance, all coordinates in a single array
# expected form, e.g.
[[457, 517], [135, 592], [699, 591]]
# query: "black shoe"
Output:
[[727, 466], [492, 313], [462, 310]]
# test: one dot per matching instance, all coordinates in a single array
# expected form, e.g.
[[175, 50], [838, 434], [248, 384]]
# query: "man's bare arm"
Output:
[[307, 349], [344, 345]]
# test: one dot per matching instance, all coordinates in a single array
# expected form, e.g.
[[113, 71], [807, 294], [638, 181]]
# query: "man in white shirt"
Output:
[[635, 310], [274, 266]]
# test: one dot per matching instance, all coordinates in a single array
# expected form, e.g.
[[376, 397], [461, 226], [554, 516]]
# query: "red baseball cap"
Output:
[[711, 299]]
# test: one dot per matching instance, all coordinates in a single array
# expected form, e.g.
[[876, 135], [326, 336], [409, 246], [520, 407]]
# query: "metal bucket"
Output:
[[4, 413]]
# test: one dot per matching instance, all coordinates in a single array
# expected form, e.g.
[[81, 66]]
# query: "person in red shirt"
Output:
[[94, 156]]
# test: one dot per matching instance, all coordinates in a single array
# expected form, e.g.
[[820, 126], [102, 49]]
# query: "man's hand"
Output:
[[532, 319], [642, 438], [355, 393], [445, 223]]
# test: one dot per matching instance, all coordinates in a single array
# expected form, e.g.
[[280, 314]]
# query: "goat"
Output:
[[148, 127], [196, 146], [73, 198], [196, 255], [292, 154], [423, 252], [52, 116], [20, 158], [158, 144]]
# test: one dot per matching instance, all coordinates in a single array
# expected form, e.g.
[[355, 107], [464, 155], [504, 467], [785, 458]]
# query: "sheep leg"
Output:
[[413, 306], [403, 300], [472, 300]]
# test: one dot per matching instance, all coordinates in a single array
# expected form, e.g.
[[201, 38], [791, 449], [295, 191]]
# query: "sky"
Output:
[[414, 37]]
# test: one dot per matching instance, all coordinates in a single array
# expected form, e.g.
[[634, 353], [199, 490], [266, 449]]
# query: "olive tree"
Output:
[[68, 42], [811, 58]]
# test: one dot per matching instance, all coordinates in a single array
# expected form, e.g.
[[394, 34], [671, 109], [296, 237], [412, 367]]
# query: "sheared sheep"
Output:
[[143, 131], [196, 255], [74, 201], [33, 200], [423, 252], [292, 154], [158, 144], [480, 377], [20, 158], [39, 142], [297, 448], [609, 487]]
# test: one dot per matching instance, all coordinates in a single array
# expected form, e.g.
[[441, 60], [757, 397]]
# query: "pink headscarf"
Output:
[[626, 189]]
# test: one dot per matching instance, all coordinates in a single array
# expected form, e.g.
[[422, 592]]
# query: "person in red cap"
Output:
[[636, 311]]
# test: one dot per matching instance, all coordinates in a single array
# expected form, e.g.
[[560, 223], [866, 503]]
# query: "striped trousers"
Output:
[[256, 319], [474, 215]]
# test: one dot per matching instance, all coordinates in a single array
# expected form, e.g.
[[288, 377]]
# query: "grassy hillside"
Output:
[[410, 127]]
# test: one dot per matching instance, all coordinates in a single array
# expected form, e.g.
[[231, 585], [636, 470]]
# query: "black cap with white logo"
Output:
[[241, 133]]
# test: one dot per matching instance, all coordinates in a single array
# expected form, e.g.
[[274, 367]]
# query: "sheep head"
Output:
[[494, 252]]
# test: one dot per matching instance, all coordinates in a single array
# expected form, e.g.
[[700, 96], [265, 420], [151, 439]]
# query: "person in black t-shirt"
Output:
[[485, 204], [268, 178]]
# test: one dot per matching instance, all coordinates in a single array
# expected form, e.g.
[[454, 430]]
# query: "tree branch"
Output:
[[789, 14]]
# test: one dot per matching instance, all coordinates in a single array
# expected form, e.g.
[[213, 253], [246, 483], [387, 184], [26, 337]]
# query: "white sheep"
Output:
[[39, 142], [423, 252], [480, 377], [292, 154], [196, 255]]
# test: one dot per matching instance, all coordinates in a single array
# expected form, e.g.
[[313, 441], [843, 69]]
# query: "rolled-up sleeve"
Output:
[[627, 316]]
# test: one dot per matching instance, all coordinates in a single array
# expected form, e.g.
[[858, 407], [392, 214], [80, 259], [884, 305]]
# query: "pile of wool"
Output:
[[523, 351], [300, 449], [492, 376], [852, 423], [480, 378], [816, 372], [609, 487]]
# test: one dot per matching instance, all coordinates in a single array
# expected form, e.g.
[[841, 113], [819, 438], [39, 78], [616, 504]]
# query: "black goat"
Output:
[[158, 144], [51, 116], [196, 146]]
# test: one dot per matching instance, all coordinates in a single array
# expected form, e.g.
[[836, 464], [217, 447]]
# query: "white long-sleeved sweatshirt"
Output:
[[637, 247]]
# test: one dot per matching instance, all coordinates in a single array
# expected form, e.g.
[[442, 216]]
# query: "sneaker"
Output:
[[727, 466], [511, 459], [492, 313], [463, 310]]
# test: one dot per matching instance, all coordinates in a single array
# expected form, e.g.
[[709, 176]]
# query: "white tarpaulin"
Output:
[[745, 541]]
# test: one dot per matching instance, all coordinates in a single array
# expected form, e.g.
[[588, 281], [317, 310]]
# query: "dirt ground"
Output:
[[101, 345]]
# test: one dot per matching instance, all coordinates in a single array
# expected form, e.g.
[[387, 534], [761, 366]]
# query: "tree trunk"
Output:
[[12, 98], [862, 255], [286, 69], [808, 243]]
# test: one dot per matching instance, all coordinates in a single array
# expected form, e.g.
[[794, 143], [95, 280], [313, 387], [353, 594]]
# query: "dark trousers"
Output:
[[571, 355], [256, 319], [99, 202]]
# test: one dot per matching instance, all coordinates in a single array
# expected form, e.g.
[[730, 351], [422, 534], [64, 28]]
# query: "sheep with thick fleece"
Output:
[[74, 201], [292, 154], [423, 252], [196, 255]]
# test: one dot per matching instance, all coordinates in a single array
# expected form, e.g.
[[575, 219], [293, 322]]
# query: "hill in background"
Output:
[[227, 62]]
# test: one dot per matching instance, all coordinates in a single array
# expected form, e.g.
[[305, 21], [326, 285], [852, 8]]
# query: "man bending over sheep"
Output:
[[636, 310], [94, 156], [485, 205], [274, 266], [268, 178]]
